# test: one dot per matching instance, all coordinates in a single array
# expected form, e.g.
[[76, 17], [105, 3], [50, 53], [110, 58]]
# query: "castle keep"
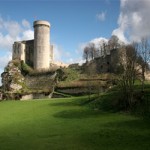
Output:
[[37, 53]]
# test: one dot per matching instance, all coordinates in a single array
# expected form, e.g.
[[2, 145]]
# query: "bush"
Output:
[[142, 104], [109, 101], [17, 63], [70, 74], [25, 68]]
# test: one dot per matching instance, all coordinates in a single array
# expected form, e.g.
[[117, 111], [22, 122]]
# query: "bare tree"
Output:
[[113, 42], [92, 50], [103, 49], [89, 52], [86, 53], [128, 62], [144, 52]]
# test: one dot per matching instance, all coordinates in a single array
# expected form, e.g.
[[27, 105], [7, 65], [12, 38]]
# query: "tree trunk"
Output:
[[143, 77]]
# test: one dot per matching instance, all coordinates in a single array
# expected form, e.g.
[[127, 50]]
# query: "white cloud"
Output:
[[1, 23], [96, 41], [123, 3], [79, 60], [12, 27], [134, 20], [25, 23], [5, 42], [57, 52], [80, 48], [101, 16], [99, 41], [120, 34], [64, 56], [61, 55], [3, 62], [27, 35], [10, 31], [4, 59]]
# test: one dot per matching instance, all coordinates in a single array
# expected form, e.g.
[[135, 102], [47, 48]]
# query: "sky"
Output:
[[74, 23]]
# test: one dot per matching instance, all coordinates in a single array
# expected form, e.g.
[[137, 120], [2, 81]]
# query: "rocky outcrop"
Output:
[[16, 84], [12, 79], [1, 96]]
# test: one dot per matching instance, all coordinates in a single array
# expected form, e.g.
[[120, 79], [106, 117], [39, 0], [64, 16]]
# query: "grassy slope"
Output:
[[65, 125]]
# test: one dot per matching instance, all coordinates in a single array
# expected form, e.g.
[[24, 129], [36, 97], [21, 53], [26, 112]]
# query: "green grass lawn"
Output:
[[63, 124]]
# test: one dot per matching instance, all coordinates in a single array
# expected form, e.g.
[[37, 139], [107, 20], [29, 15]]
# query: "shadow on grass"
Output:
[[138, 124], [119, 135], [77, 101], [116, 139], [64, 104], [79, 114]]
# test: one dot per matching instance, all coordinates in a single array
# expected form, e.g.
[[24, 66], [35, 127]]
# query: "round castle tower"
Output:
[[41, 44]]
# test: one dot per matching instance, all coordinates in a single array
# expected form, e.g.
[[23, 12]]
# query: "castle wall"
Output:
[[41, 45], [19, 51], [51, 54], [29, 52], [109, 62], [37, 53], [103, 64], [114, 53]]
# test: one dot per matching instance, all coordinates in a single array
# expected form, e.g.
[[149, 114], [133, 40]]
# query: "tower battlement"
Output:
[[41, 22]]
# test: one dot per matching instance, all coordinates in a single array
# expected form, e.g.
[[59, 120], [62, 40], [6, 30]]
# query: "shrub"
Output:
[[69, 74], [25, 68], [108, 101], [17, 63]]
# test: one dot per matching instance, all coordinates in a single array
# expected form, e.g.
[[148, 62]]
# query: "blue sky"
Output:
[[73, 23]]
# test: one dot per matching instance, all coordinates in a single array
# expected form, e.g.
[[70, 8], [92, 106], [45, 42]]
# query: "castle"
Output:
[[37, 53]]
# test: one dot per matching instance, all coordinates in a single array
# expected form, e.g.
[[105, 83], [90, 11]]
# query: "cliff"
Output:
[[20, 82]]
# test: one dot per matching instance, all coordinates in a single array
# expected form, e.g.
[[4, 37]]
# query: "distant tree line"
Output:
[[133, 61], [91, 51]]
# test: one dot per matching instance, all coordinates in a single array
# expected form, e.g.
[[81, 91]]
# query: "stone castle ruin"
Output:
[[19, 81], [105, 60], [107, 63], [37, 53]]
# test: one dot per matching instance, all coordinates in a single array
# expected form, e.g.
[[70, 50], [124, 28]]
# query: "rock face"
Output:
[[12, 79], [1, 96], [17, 85]]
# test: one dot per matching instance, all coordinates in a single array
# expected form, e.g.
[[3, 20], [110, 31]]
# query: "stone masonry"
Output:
[[37, 53]]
